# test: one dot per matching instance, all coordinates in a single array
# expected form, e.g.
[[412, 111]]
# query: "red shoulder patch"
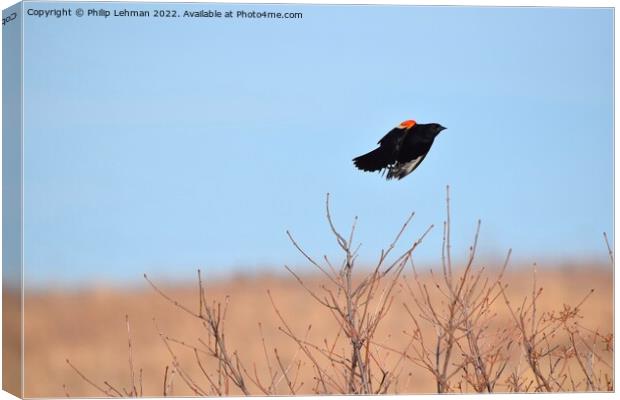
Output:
[[407, 124]]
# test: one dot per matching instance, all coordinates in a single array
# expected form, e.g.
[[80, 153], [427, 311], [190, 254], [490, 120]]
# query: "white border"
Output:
[[484, 3]]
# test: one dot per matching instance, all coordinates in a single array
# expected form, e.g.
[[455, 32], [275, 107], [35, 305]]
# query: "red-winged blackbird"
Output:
[[401, 150]]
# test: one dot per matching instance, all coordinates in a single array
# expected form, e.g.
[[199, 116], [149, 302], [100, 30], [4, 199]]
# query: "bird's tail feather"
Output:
[[373, 161]]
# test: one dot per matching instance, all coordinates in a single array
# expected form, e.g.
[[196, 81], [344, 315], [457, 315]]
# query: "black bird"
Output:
[[401, 150]]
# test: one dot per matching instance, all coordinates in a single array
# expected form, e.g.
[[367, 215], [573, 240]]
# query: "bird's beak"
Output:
[[441, 128]]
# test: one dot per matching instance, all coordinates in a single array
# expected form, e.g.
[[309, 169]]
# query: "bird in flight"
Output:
[[401, 150]]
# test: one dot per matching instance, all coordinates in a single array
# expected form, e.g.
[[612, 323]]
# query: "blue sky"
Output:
[[160, 146]]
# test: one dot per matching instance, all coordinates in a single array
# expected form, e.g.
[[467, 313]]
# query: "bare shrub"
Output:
[[553, 341], [463, 352], [453, 333], [358, 306]]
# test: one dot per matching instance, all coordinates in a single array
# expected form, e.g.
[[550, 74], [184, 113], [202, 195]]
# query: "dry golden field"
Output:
[[88, 327]]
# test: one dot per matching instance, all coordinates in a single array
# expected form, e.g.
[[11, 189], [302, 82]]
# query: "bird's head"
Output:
[[436, 128]]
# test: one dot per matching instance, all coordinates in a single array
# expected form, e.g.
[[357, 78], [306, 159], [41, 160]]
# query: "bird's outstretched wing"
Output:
[[376, 160], [383, 156]]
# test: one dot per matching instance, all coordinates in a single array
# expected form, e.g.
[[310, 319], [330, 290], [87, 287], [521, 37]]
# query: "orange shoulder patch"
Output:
[[407, 124]]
